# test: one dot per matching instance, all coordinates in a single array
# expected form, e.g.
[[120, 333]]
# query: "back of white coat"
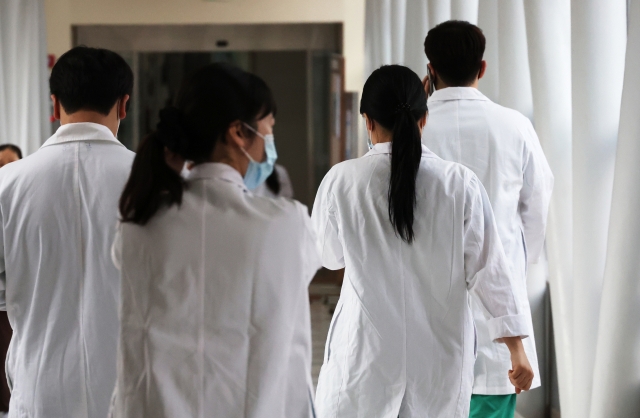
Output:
[[215, 305], [502, 148], [59, 285], [401, 342]]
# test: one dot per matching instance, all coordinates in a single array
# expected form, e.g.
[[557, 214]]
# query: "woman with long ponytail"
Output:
[[415, 234], [214, 317]]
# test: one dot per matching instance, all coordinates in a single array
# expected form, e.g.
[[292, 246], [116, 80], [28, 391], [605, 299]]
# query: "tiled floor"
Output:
[[320, 320]]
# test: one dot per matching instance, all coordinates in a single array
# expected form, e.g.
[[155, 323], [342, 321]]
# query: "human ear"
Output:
[[483, 69], [235, 135], [56, 107], [122, 107]]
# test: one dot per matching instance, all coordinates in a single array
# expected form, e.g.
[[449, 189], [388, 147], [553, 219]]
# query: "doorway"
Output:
[[295, 60]]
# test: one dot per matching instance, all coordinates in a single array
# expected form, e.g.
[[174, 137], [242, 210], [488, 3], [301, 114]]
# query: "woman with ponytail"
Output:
[[415, 235], [214, 317]]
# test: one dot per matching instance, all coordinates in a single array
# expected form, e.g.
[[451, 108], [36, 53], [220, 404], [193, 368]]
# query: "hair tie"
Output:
[[170, 129], [403, 107]]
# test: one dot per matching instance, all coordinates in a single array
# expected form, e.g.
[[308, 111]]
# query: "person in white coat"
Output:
[[58, 210], [415, 234], [215, 316], [501, 147]]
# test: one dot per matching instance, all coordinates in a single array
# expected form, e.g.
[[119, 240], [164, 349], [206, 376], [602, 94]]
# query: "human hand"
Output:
[[521, 373]]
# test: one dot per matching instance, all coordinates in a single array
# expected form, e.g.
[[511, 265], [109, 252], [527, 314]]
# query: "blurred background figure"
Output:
[[8, 154]]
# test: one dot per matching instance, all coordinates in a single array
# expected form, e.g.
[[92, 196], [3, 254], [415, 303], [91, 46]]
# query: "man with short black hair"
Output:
[[58, 210], [502, 148]]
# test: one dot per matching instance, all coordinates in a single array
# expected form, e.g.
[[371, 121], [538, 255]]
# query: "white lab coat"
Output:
[[57, 281], [401, 341], [286, 189], [502, 149], [215, 314]]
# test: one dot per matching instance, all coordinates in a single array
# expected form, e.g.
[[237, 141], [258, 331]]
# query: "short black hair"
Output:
[[455, 49], [90, 79], [13, 148]]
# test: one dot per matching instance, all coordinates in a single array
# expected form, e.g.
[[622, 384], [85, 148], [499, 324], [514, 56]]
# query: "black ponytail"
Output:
[[207, 104], [155, 184], [273, 182], [394, 97]]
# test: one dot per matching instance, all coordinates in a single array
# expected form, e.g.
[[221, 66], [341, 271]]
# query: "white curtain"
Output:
[[616, 383], [24, 103], [562, 63]]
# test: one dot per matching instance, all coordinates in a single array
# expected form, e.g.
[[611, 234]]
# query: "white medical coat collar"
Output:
[[220, 171], [82, 131], [385, 148], [457, 93]]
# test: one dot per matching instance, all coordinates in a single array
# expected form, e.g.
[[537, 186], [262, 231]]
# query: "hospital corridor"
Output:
[[319, 209]]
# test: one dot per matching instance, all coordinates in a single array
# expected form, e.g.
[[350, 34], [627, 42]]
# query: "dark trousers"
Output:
[[5, 338]]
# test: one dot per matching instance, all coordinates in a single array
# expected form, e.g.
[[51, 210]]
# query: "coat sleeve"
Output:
[[300, 386], [325, 222], [486, 269], [279, 362], [535, 195]]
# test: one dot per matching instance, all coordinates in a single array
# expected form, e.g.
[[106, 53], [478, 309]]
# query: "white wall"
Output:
[[63, 14]]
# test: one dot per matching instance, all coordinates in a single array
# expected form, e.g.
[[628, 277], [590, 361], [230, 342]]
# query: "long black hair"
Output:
[[394, 97], [207, 104]]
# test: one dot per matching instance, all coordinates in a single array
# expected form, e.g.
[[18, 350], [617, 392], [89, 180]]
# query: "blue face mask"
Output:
[[257, 172]]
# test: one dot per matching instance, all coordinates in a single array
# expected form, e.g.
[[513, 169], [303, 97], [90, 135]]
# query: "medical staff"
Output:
[[215, 314], [415, 234], [501, 147], [58, 210]]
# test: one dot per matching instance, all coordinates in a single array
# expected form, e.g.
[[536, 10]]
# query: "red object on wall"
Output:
[[51, 60]]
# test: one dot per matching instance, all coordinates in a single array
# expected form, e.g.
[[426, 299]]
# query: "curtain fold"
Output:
[[24, 103], [465, 10], [598, 37], [513, 61], [616, 383], [417, 25], [549, 46], [439, 11]]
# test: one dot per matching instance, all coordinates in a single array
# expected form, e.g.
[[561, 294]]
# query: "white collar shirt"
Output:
[[401, 341], [215, 316], [501, 147], [57, 282]]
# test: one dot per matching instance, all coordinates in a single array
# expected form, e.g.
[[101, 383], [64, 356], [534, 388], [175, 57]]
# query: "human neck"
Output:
[[442, 85], [110, 121], [223, 153]]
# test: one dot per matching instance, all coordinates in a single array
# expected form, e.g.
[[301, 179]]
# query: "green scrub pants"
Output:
[[493, 406]]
